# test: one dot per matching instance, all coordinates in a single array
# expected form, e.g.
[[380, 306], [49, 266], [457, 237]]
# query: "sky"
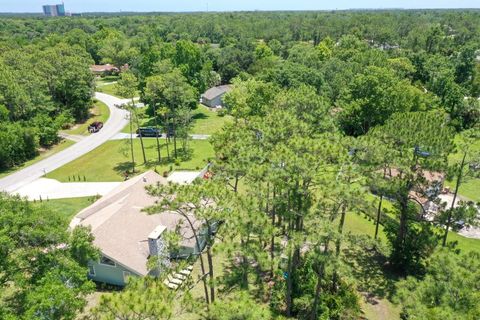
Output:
[[228, 5]]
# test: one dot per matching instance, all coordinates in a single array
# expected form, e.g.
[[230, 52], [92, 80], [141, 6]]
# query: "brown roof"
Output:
[[430, 176], [120, 227], [103, 68]]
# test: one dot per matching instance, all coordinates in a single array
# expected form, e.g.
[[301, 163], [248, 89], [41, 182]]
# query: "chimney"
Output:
[[155, 241], [158, 247]]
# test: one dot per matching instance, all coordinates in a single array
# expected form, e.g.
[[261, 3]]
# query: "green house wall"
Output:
[[109, 274], [115, 274]]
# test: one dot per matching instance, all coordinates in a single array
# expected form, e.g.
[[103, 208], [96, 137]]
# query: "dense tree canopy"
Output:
[[42, 266], [327, 111]]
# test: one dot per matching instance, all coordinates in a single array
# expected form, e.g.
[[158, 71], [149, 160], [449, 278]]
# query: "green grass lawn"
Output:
[[107, 79], [109, 161], [99, 112], [358, 224], [67, 207], [207, 121], [110, 89], [470, 188], [62, 145]]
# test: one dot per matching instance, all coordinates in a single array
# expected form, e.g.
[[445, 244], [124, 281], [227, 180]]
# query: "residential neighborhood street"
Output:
[[117, 121], [123, 135]]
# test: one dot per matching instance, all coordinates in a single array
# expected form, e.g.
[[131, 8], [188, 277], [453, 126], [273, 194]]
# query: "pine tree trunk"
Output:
[[131, 143], [235, 187], [202, 264], [318, 291], [210, 272], [272, 240], [167, 139], [140, 133], [174, 124], [157, 131], [292, 265], [379, 213], [402, 230], [244, 267], [340, 230], [459, 181], [289, 297], [338, 245]]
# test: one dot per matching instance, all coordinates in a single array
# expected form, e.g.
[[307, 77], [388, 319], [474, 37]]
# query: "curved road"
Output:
[[115, 123]]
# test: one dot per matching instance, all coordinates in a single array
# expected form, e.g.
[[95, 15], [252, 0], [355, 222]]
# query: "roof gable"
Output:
[[120, 227]]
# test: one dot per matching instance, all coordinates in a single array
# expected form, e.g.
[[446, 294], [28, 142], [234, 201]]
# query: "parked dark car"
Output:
[[95, 126], [149, 132], [170, 132]]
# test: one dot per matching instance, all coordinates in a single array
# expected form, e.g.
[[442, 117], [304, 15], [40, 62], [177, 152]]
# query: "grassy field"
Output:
[[470, 188], [62, 145], [207, 121], [107, 79], [109, 161], [357, 224], [68, 207], [110, 89], [99, 112]]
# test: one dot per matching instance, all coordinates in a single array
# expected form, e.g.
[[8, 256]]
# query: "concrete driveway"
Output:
[[52, 189], [115, 123], [183, 177]]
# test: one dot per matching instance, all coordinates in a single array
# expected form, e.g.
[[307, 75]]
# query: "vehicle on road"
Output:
[[149, 132], [95, 126]]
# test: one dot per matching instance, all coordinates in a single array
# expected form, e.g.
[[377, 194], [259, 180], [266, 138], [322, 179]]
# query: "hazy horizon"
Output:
[[35, 6]]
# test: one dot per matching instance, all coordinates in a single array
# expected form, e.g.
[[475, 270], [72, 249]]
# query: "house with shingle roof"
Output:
[[429, 188], [213, 97], [127, 236], [103, 69]]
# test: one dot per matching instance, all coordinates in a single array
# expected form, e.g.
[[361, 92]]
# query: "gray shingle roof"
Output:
[[214, 92], [120, 227]]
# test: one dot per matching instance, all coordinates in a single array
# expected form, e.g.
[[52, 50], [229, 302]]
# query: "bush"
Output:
[[222, 112]]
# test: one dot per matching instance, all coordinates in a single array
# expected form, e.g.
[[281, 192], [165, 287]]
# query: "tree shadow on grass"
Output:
[[232, 279], [124, 167], [199, 116], [371, 270]]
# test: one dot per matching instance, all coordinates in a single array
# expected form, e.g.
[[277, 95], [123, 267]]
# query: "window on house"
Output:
[[107, 261], [126, 275], [91, 270]]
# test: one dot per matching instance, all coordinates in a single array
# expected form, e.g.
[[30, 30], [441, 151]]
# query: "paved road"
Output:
[[123, 135], [116, 122]]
